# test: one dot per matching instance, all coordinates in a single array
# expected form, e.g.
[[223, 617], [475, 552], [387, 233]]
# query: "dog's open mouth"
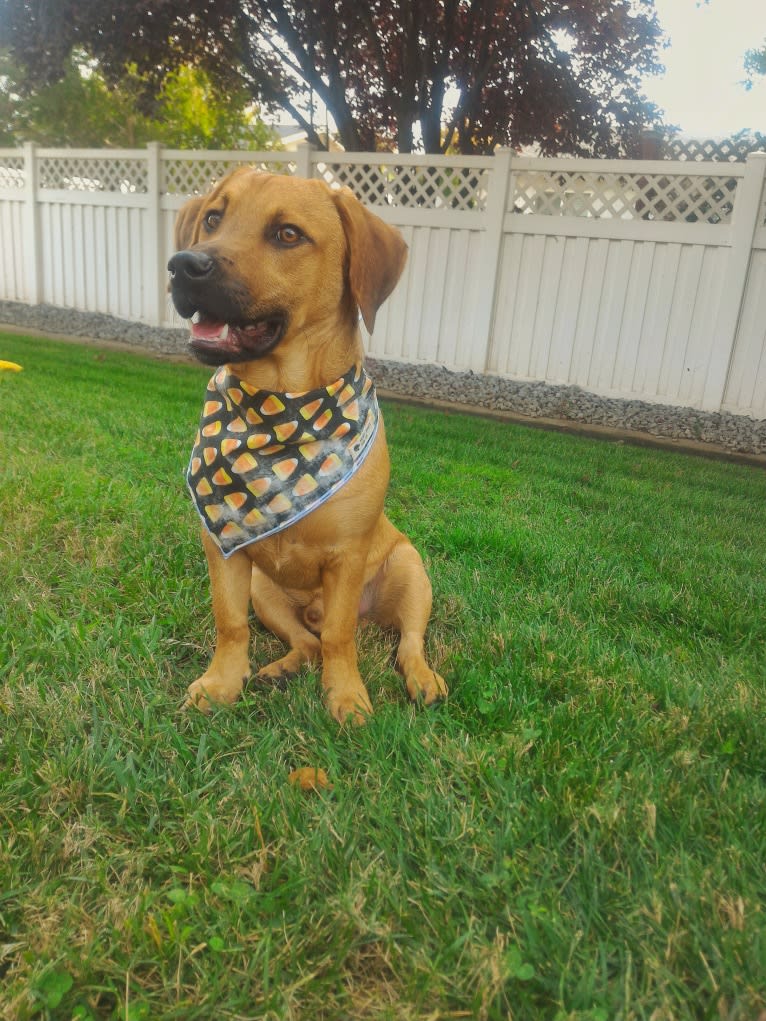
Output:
[[215, 342]]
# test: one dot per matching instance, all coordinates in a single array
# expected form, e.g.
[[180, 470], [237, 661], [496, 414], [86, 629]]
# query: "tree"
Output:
[[82, 109], [465, 74], [193, 113], [755, 64], [78, 109]]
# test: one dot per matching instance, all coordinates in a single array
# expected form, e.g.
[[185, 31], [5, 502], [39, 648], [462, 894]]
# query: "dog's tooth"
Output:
[[224, 332], [196, 318]]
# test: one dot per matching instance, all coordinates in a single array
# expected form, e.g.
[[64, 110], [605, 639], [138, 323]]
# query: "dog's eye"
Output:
[[288, 235], [212, 220]]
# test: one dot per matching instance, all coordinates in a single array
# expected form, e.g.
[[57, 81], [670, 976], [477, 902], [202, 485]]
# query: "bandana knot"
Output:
[[262, 461]]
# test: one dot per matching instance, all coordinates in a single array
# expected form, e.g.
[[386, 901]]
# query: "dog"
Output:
[[290, 466]]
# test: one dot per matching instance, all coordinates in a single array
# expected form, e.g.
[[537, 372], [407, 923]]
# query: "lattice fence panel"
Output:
[[421, 186], [725, 150], [12, 172], [195, 177], [615, 196], [87, 173]]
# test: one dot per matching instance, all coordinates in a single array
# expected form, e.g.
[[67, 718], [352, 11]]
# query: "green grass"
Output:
[[578, 833]]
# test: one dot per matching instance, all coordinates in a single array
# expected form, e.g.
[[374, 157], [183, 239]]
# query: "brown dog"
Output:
[[273, 272]]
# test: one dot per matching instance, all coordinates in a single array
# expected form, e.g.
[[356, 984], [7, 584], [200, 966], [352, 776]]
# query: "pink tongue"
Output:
[[206, 330]]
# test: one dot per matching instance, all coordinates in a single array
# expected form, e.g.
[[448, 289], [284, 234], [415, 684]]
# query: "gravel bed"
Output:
[[93, 326], [738, 433], [433, 382]]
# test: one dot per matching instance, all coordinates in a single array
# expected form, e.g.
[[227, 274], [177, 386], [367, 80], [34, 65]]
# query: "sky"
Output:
[[700, 90]]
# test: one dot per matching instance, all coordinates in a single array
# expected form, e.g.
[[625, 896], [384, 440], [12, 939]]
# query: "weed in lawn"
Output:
[[578, 833]]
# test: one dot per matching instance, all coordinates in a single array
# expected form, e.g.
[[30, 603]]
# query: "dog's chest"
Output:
[[290, 558]]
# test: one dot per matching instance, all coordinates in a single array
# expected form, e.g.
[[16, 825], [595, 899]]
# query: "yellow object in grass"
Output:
[[309, 778], [9, 366]]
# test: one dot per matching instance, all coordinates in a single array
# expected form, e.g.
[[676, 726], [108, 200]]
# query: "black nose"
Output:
[[191, 265]]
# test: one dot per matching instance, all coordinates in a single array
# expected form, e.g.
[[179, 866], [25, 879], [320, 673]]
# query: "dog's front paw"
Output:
[[349, 705], [210, 690], [426, 686]]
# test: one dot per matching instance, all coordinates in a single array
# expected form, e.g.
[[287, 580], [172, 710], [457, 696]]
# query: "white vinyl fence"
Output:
[[632, 279]]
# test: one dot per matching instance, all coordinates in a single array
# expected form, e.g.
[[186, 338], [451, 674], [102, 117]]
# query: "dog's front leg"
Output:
[[223, 681], [345, 693]]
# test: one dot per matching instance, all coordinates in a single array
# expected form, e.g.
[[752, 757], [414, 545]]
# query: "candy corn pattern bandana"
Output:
[[262, 461]]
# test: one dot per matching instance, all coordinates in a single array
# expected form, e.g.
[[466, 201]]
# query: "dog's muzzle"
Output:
[[221, 331]]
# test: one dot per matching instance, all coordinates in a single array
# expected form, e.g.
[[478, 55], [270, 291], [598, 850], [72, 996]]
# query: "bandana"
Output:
[[262, 461]]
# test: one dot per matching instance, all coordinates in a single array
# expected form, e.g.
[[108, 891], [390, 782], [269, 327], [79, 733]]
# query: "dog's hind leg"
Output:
[[284, 618], [402, 600]]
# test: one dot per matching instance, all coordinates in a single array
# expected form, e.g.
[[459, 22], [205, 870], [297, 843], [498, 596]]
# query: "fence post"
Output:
[[494, 217], [744, 224], [303, 162], [32, 259], [154, 275]]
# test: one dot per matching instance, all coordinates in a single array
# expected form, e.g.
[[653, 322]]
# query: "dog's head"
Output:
[[263, 258]]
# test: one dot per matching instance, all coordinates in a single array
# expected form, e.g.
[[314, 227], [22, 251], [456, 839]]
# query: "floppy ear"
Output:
[[377, 254], [187, 216]]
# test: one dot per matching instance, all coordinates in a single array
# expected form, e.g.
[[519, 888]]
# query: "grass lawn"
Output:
[[578, 833]]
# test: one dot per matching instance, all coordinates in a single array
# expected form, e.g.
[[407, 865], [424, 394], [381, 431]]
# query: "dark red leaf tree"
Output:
[[437, 75]]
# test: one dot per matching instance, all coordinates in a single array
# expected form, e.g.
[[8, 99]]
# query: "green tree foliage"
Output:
[[755, 64], [83, 109], [78, 110], [196, 114], [465, 74]]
